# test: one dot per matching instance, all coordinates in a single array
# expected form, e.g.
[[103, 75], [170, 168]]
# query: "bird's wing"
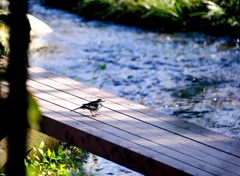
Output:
[[90, 106]]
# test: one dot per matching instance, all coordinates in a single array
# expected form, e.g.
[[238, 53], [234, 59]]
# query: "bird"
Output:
[[92, 106]]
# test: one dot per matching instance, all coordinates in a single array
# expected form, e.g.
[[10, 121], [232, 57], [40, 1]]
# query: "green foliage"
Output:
[[33, 113], [4, 29], [4, 43], [4, 37], [165, 15], [74, 158], [66, 162], [101, 67], [48, 164]]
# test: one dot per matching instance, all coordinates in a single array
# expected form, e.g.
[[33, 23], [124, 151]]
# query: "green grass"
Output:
[[162, 15]]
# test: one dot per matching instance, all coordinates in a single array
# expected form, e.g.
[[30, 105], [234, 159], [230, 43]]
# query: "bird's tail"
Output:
[[81, 107]]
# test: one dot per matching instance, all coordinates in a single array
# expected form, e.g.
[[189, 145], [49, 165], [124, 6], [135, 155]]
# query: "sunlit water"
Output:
[[190, 76]]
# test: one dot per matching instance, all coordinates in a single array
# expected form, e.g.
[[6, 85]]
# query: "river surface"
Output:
[[191, 76]]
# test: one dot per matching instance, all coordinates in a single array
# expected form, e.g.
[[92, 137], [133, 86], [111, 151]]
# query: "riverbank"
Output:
[[210, 17]]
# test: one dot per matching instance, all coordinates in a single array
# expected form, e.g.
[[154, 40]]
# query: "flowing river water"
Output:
[[191, 76]]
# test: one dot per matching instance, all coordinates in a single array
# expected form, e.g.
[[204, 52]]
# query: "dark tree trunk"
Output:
[[17, 76]]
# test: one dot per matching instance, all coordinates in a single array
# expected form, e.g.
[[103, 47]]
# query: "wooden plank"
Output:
[[210, 138], [154, 134]]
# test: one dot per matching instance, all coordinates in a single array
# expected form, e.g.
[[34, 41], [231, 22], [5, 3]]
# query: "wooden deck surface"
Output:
[[130, 134]]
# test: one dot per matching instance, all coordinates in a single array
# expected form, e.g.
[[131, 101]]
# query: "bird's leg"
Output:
[[92, 114]]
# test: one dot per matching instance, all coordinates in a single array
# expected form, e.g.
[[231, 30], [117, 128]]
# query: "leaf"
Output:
[[41, 151], [36, 163], [52, 155], [34, 115], [41, 145], [37, 158], [49, 172], [34, 149], [49, 153], [102, 67]]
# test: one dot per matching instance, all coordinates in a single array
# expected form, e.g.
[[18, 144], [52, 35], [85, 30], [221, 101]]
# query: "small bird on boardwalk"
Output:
[[92, 106]]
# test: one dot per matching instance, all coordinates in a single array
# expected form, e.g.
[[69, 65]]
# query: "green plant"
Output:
[[165, 15], [67, 161], [4, 29], [47, 163], [101, 67], [74, 158], [4, 36]]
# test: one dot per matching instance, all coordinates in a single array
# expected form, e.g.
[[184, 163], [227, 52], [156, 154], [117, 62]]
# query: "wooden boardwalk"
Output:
[[130, 134]]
